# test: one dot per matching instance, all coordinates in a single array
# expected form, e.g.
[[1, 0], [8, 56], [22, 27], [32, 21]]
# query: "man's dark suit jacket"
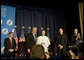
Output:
[[61, 39], [30, 41], [73, 40], [8, 46]]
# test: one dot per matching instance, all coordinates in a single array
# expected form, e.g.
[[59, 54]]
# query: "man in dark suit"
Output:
[[31, 39], [75, 38], [61, 41], [10, 46], [75, 45]]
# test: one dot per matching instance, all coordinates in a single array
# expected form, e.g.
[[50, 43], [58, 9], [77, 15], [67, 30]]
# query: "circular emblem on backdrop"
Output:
[[9, 22], [4, 30], [13, 30], [1, 21]]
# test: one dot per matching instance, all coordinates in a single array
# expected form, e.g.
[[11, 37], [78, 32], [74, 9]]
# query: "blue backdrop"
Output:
[[7, 23]]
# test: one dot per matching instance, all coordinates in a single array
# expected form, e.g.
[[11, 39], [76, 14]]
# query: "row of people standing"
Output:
[[63, 46], [32, 39], [61, 41]]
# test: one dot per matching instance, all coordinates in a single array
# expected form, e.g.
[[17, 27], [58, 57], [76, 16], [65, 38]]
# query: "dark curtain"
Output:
[[41, 18]]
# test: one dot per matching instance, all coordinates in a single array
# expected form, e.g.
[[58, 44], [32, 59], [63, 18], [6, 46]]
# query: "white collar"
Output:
[[9, 37]]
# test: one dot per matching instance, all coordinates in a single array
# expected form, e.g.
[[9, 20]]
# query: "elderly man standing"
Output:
[[31, 39]]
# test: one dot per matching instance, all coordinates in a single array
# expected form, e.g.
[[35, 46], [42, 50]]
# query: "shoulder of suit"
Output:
[[6, 38], [13, 39], [29, 33], [58, 35], [64, 34], [72, 35]]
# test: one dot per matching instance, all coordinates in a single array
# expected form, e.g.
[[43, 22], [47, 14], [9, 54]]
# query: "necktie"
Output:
[[77, 42], [35, 37], [76, 39], [60, 39], [11, 42]]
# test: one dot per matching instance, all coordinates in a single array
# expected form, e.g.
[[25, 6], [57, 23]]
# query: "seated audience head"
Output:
[[37, 52], [34, 30]]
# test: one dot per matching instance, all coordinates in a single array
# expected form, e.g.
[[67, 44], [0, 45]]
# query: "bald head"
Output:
[[37, 52]]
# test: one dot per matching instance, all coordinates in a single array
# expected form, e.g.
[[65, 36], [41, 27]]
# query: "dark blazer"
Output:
[[61, 39], [73, 39], [8, 46], [30, 41]]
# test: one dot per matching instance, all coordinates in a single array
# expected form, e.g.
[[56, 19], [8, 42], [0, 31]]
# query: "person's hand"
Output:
[[43, 43], [55, 53], [16, 49], [71, 53], [47, 55], [78, 36], [11, 50], [61, 47], [70, 50], [28, 50]]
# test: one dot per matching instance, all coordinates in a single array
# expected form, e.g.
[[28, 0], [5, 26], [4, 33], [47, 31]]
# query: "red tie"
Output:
[[11, 42]]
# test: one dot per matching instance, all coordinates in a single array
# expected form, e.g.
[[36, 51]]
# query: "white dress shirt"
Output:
[[43, 39], [34, 37]]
